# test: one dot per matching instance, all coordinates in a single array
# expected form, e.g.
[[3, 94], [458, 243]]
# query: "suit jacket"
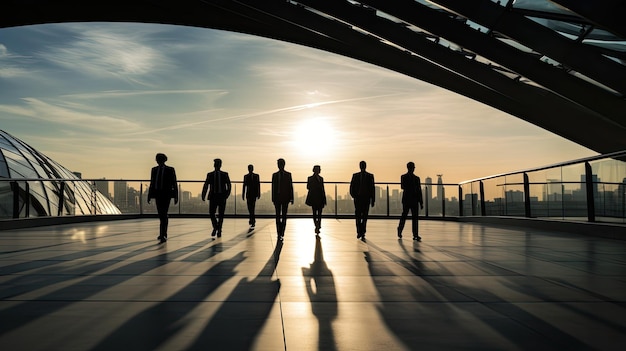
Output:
[[362, 187], [282, 187], [316, 196], [251, 186], [163, 183], [412, 189], [218, 184]]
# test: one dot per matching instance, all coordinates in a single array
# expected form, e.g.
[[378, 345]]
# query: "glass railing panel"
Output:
[[609, 190], [513, 188], [494, 195], [574, 192]]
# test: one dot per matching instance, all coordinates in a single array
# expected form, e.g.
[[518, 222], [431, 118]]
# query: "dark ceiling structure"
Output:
[[559, 64]]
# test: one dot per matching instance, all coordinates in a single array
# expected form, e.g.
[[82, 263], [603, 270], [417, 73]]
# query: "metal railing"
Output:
[[590, 189], [36, 197]]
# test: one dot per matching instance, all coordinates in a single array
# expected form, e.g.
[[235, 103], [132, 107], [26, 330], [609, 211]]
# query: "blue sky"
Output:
[[103, 98]]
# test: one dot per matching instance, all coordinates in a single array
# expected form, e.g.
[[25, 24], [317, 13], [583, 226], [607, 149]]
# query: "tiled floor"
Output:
[[111, 286]]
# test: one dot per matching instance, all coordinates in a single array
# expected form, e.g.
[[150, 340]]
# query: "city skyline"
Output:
[[102, 99]]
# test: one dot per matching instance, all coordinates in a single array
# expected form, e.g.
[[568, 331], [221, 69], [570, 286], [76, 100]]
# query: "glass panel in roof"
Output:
[[541, 5]]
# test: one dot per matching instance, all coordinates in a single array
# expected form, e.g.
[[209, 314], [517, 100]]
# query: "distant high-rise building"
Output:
[[440, 189], [120, 193], [428, 182], [103, 187]]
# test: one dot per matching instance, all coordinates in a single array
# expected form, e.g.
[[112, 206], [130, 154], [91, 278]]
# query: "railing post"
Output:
[[591, 201], [388, 200], [27, 200], [460, 201], [61, 198], [483, 211], [141, 199], [526, 196], [426, 197], [336, 202], [443, 201]]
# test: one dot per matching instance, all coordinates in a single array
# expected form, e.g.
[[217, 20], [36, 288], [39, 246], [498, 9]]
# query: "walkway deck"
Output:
[[111, 286]]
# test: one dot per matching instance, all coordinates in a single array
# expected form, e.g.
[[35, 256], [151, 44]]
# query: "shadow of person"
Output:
[[320, 286], [152, 327], [240, 318]]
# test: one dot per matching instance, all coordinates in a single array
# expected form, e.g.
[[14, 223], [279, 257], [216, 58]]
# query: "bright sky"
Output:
[[102, 99]]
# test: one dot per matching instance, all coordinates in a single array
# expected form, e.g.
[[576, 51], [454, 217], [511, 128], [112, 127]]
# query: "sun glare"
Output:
[[314, 136]]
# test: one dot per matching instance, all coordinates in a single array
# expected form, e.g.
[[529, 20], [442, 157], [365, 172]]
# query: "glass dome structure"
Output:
[[34, 185]]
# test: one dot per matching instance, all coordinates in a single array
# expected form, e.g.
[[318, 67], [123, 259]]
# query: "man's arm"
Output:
[[205, 187]]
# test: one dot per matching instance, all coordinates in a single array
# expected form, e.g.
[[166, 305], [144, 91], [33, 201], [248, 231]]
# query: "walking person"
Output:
[[362, 191], [163, 188], [411, 198], [251, 192], [218, 185], [282, 195], [316, 197]]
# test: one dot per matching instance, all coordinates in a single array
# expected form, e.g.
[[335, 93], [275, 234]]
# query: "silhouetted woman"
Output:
[[316, 198]]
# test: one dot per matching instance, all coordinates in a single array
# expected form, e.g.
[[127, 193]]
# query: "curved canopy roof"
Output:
[[558, 64]]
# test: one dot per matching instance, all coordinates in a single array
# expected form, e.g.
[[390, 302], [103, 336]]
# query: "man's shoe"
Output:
[[214, 232], [359, 235], [219, 233], [162, 240], [417, 238], [399, 233]]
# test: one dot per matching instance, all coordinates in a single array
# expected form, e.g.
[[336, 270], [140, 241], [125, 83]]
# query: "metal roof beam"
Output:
[[570, 53], [527, 65]]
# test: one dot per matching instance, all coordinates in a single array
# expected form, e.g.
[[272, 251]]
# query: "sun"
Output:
[[314, 136]]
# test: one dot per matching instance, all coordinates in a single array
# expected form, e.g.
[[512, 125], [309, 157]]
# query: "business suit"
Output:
[[163, 187], [411, 198], [362, 191], [282, 195], [251, 191], [218, 185], [316, 198]]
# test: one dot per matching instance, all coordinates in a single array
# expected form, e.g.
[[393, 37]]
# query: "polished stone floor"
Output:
[[111, 286]]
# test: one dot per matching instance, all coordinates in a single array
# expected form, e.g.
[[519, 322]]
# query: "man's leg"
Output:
[[284, 206], [366, 210], [221, 206], [405, 211], [163, 206], [414, 221], [251, 207], [212, 209], [277, 209], [357, 217]]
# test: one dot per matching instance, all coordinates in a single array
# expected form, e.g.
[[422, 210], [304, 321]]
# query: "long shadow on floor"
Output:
[[438, 319], [238, 321], [320, 286], [155, 325]]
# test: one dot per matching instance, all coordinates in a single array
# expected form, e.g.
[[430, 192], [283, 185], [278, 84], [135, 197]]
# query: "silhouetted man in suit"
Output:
[[219, 187], [411, 197], [282, 195], [163, 187], [251, 192], [362, 191]]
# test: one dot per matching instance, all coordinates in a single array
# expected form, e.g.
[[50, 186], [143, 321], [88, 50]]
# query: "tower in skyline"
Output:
[[440, 190]]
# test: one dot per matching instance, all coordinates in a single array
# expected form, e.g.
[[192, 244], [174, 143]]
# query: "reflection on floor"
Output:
[[111, 286]]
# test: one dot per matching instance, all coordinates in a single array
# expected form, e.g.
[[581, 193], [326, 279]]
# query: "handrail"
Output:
[[541, 168]]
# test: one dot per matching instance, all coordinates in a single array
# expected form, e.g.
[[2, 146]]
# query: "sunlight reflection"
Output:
[[79, 235], [82, 234]]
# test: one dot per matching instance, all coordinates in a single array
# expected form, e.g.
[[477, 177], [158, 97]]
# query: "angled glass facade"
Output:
[[33, 185]]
